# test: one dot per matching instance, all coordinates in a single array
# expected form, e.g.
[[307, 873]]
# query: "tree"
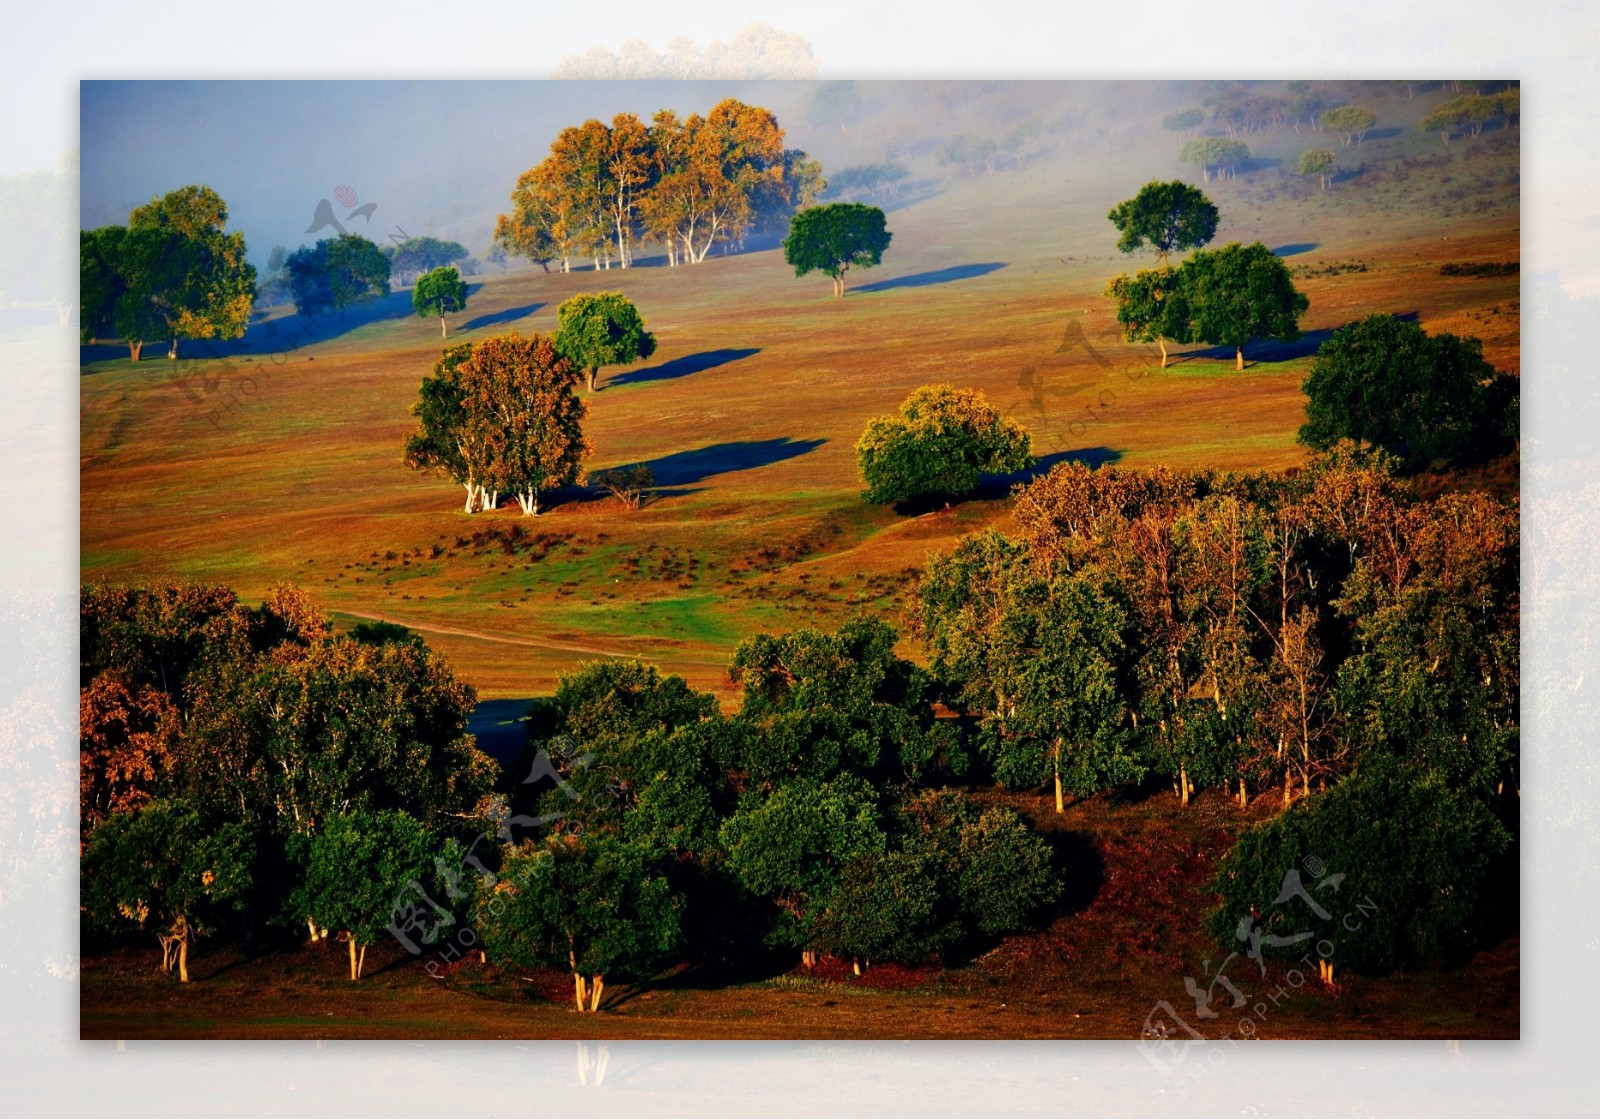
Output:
[[1445, 119], [941, 443], [1386, 382], [438, 292], [1319, 162], [337, 274], [522, 420], [1351, 122], [208, 287], [439, 443], [101, 282], [417, 255], [1413, 855], [162, 868], [361, 867], [1167, 216], [1239, 293], [589, 904], [835, 238], [792, 847], [1215, 153], [602, 329], [1152, 307], [1185, 121], [996, 867], [887, 906], [1062, 653]]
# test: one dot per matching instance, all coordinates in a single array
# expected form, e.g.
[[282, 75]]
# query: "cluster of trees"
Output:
[[172, 272], [811, 822], [757, 52], [1240, 631], [244, 768], [1215, 155], [502, 415], [939, 446], [416, 256], [689, 184], [1223, 297], [874, 181], [1470, 114], [336, 274]]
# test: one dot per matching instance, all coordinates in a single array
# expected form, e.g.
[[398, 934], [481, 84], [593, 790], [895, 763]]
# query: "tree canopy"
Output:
[[337, 274], [1319, 162], [690, 184], [1239, 293], [1152, 307], [601, 329], [1215, 154], [1168, 217], [834, 238], [1386, 382], [439, 292], [1350, 122], [939, 446], [173, 272]]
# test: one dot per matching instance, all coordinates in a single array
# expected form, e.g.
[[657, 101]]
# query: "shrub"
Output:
[[941, 444], [1413, 855]]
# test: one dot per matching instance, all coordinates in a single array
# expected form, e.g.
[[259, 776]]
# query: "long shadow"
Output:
[[682, 367], [499, 728], [683, 468], [1382, 133], [495, 319], [999, 485], [1295, 249], [1271, 350], [937, 276]]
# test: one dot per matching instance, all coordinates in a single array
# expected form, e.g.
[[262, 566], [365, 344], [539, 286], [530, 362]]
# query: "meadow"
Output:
[[283, 460]]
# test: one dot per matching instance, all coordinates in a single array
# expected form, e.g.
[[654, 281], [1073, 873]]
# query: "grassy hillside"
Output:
[[285, 462]]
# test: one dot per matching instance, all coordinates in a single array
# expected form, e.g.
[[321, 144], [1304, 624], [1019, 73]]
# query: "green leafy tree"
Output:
[[1186, 121], [164, 869], [1167, 216], [819, 703], [940, 445], [1063, 657], [101, 281], [792, 847], [204, 288], [1152, 307], [835, 238], [418, 255], [1215, 154], [1411, 858], [337, 274], [1239, 293], [439, 443], [361, 865], [591, 905], [887, 907], [439, 292], [1386, 382], [998, 869], [1350, 122], [1319, 162], [602, 329]]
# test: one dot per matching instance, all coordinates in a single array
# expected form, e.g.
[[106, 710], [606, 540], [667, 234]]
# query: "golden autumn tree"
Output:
[[521, 408]]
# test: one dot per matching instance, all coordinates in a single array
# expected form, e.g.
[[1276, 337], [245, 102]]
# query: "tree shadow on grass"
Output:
[[995, 486], [681, 367], [927, 279], [1295, 249], [684, 468], [497, 318], [1271, 350], [500, 728]]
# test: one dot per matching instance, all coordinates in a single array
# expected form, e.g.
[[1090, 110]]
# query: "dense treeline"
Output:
[[1242, 631], [688, 184], [221, 743]]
